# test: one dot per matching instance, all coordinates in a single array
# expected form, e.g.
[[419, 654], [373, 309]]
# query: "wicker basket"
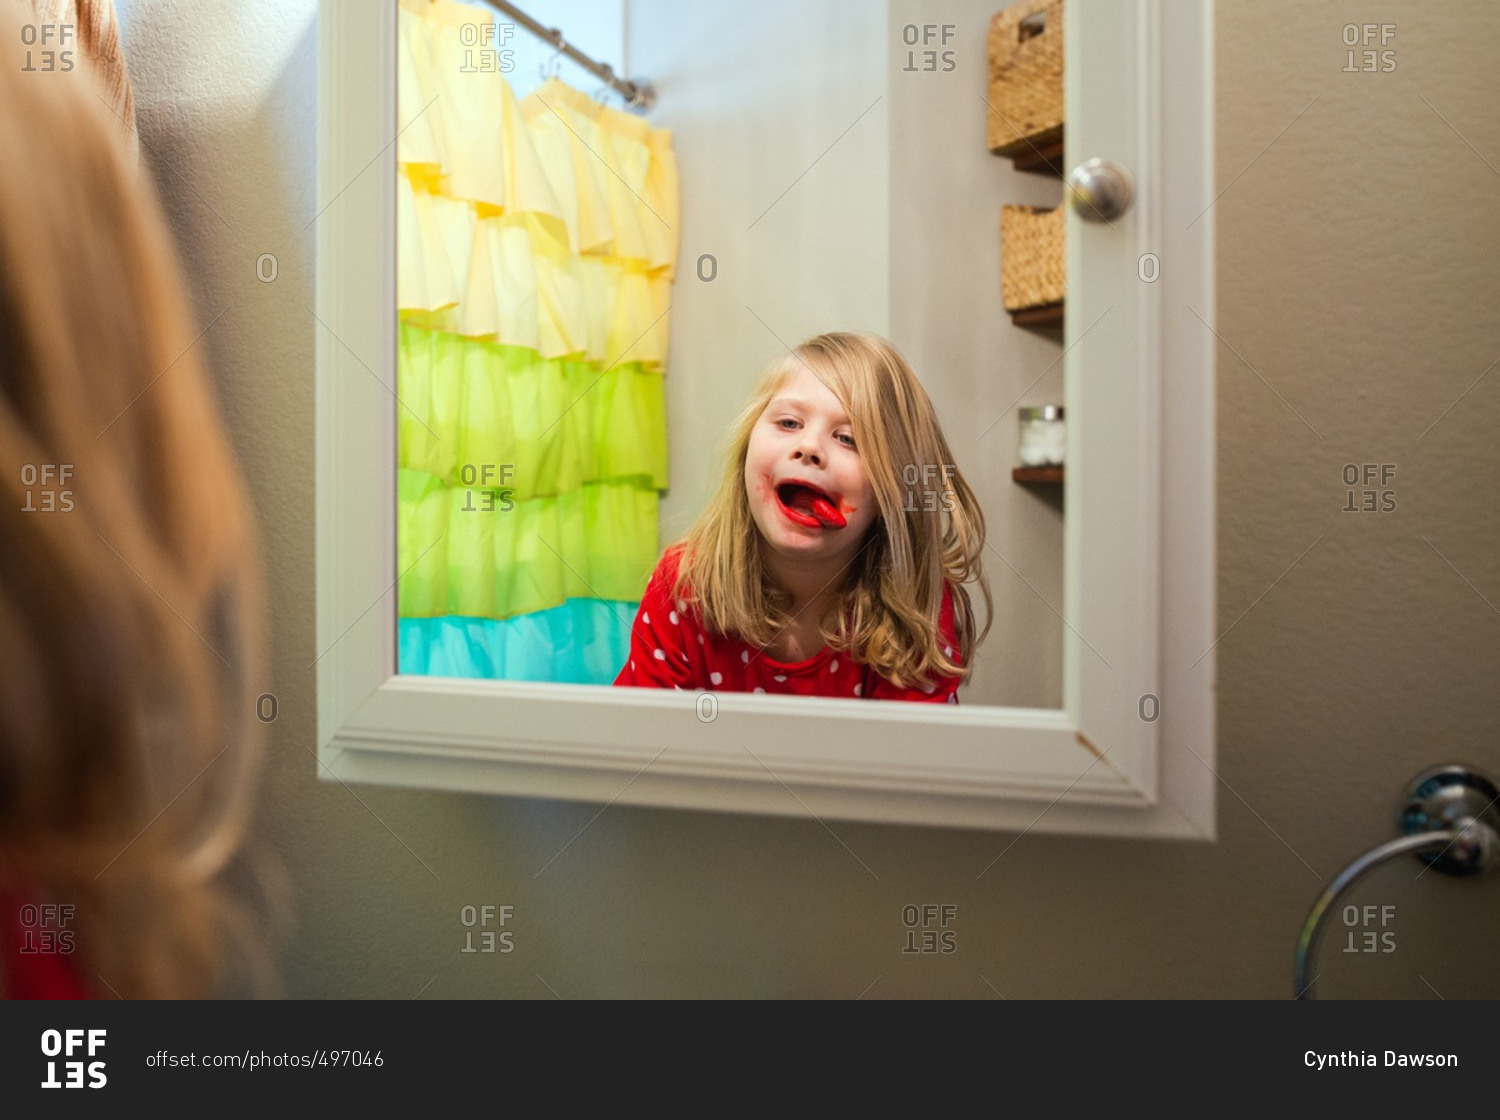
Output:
[[1026, 76], [1033, 266]]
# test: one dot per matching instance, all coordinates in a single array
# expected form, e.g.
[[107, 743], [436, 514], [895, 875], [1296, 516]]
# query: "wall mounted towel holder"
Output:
[[1450, 820]]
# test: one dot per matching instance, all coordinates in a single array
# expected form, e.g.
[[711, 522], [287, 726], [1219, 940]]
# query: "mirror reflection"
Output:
[[726, 389]]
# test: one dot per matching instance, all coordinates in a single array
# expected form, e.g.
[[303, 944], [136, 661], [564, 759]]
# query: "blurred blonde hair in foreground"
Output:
[[131, 644]]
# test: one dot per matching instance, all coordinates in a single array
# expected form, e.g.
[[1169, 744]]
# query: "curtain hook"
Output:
[[608, 75], [549, 68]]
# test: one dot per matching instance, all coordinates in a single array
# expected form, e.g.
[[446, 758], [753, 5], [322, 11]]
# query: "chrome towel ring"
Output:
[[1450, 819]]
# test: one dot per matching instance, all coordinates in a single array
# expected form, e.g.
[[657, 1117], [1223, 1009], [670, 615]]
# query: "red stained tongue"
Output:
[[825, 512], [810, 503]]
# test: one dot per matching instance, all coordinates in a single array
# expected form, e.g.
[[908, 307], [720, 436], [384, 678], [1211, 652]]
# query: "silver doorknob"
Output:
[[1101, 190]]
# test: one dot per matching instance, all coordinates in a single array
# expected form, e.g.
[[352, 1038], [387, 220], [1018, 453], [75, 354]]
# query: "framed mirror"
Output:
[[562, 336]]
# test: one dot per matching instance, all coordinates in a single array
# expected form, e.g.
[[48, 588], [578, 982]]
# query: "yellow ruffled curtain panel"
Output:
[[536, 251]]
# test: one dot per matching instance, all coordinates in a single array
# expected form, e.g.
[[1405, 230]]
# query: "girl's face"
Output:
[[804, 476]]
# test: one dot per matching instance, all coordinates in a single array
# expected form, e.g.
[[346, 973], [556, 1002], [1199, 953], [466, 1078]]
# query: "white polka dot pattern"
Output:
[[665, 662]]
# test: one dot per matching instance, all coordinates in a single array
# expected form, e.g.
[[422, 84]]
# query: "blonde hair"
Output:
[[885, 614], [130, 584]]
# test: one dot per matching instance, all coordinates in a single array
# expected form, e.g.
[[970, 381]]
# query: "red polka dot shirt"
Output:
[[669, 649]]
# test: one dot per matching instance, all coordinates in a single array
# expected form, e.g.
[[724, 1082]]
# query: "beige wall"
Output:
[[1357, 278]]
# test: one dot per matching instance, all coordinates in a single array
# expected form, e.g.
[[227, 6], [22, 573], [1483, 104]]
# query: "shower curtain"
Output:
[[536, 252]]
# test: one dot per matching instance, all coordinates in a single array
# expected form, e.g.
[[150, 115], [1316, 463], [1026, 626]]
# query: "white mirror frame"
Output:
[[1139, 533]]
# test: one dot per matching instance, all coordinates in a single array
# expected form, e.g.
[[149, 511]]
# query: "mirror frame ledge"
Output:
[[1139, 535]]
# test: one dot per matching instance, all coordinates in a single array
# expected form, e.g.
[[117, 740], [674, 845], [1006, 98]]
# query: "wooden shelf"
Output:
[[1038, 476], [1043, 155], [1045, 158], [1046, 315]]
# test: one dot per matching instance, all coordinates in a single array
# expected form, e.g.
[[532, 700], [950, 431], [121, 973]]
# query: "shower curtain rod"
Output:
[[638, 95]]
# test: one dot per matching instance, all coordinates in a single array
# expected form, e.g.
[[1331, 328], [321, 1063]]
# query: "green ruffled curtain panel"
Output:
[[536, 252]]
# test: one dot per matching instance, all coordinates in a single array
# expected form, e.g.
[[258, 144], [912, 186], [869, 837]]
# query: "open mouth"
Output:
[[809, 506]]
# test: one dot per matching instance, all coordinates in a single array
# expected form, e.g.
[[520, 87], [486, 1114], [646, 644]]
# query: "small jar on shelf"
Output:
[[1043, 436]]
